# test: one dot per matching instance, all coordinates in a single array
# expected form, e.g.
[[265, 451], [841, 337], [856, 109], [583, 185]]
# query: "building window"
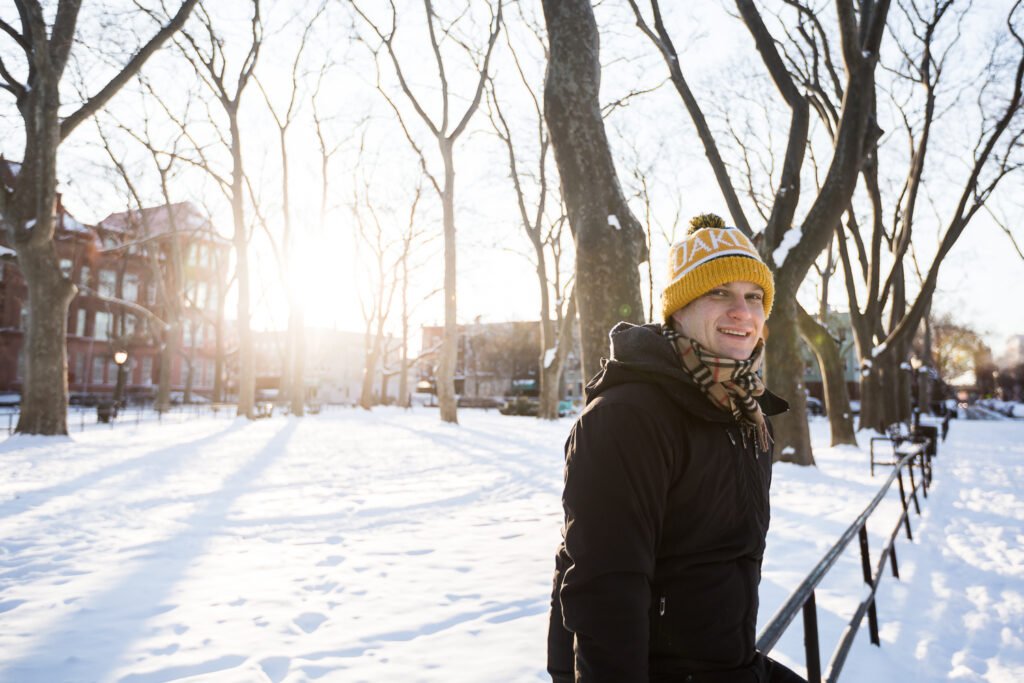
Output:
[[151, 293], [147, 370], [130, 287], [65, 267], [80, 368], [83, 276], [97, 369], [129, 324], [108, 283], [80, 322], [20, 371], [101, 325], [203, 256]]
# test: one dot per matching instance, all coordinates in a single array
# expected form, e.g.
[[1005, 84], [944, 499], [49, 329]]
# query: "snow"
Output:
[[789, 240], [30, 223], [879, 350], [613, 221], [388, 546], [7, 251], [71, 224], [549, 356]]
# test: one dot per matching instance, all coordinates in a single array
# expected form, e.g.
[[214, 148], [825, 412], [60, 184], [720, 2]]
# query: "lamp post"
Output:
[[120, 358]]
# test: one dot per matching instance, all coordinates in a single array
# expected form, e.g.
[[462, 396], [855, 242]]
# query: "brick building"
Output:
[[119, 266]]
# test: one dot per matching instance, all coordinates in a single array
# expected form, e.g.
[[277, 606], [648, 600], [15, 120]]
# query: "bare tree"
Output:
[[295, 346], [610, 243], [27, 209], [556, 336], [376, 305], [921, 94], [205, 49], [860, 30], [445, 135]]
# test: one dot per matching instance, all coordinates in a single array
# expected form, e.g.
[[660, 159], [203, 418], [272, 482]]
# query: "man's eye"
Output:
[[756, 297], [717, 292]]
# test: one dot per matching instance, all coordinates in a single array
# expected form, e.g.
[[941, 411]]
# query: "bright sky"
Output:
[[496, 278]]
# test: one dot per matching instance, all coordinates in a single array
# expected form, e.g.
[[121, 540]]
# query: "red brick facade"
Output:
[[114, 261]]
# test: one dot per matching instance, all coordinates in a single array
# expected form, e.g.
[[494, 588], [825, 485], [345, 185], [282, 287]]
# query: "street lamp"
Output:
[[120, 358]]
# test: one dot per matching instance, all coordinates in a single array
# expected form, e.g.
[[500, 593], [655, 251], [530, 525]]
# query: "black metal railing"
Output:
[[802, 600]]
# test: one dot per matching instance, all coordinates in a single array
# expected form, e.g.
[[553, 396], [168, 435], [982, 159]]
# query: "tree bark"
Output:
[[784, 372], [837, 398], [610, 242], [449, 343], [44, 398], [551, 372]]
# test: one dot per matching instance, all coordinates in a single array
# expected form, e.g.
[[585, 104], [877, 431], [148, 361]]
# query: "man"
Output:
[[666, 484]]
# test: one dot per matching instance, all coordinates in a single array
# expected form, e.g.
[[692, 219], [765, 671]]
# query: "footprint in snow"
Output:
[[276, 668], [309, 621]]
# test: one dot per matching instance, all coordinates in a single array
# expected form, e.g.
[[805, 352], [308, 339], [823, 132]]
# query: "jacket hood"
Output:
[[640, 353]]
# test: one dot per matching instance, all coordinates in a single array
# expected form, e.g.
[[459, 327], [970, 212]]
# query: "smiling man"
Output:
[[667, 473]]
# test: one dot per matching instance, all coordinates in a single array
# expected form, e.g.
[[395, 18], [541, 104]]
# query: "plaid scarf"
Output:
[[729, 384]]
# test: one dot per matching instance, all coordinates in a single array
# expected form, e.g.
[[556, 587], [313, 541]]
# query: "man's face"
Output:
[[727, 320]]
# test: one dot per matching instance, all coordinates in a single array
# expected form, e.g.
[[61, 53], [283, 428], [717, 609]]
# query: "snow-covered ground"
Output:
[[385, 546]]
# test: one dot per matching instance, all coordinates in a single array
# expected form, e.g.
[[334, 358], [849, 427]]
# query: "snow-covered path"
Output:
[[388, 547]]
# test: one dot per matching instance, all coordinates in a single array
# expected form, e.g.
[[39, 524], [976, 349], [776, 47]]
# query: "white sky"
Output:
[[496, 279]]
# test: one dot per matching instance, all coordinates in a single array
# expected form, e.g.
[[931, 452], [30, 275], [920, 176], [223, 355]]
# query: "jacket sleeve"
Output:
[[616, 479]]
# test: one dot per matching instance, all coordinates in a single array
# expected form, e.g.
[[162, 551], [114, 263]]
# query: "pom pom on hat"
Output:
[[705, 220], [711, 255]]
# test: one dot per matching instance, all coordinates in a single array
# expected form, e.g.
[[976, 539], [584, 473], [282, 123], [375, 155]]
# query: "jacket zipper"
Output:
[[661, 607]]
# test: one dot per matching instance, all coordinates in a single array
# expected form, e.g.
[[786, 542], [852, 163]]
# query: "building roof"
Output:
[[182, 217]]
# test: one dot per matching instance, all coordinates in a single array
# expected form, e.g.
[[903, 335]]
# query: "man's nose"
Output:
[[740, 308]]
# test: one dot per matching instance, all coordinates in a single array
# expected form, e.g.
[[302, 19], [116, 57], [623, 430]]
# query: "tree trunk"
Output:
[[44, 396], [298, 390], [403, 378], [870, 400], [246, 362], [784, 372], [610, 242], [218, 363], [449, 343], [837, 398], [366, 400], [551, 372], [172, 335]]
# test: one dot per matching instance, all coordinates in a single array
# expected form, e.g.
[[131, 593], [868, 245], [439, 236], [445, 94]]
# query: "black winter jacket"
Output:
[[666, 511]]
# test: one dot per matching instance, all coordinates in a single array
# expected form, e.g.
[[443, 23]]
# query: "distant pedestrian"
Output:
[[667, 473]]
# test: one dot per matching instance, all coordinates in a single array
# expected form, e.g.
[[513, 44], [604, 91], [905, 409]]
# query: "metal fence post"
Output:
[[913, 490], [924, 475], [903, 502], [811, 649], [865, 561]]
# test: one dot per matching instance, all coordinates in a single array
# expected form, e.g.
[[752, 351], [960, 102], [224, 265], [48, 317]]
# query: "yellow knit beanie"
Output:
[[711, 255]]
